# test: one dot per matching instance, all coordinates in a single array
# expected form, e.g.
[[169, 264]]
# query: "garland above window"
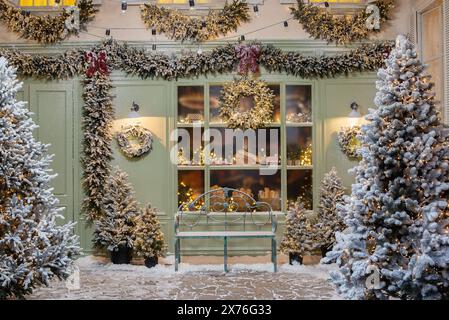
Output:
[[178, 26], [47, 29], [321, 24], [223, 59]]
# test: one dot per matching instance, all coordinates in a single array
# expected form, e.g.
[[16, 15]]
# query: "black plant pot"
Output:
[[151, 262], [294, 257], [324, 250], [122, 255]]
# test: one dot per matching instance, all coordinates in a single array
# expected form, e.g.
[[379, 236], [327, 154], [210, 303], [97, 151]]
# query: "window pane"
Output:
[[214, 96], [299, 146], [298, 102], [190, 104], [299, 187], [252, 149], [190, 185], [26, 3], [191, 150], [265, 188]]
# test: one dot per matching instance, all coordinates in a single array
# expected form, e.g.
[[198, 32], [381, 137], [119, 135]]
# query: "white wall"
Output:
[[271, 12]]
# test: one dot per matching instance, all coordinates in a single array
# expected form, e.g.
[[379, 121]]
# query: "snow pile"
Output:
[[91, 262]]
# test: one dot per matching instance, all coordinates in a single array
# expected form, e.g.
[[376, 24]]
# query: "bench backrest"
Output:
[[228, 209]]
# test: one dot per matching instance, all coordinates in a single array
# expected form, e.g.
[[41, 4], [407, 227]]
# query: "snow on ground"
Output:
[[100, 279]]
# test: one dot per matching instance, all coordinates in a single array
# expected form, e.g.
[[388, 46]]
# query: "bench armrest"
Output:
[[176, 223]]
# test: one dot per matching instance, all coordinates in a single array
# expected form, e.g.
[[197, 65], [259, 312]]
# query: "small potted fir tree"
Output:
[[297, 239], [114, 230], [149, 239]]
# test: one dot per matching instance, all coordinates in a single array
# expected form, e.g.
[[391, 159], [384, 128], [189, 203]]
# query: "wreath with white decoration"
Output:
[[134, 141], [258, 116], [349, 142], [342, 29]]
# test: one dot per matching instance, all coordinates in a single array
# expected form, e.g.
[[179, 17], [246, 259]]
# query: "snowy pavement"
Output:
[[102, 280]]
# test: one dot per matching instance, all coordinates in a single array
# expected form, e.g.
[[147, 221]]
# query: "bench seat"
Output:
[[223, 234]]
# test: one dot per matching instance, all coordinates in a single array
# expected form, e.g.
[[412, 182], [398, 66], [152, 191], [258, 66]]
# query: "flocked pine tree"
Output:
[[114, 229], [149, 239], [329, 221], [33, 247], [298, 235], [397, 215]]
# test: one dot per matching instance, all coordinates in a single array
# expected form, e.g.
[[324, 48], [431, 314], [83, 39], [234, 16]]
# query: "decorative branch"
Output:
[[178, 26]]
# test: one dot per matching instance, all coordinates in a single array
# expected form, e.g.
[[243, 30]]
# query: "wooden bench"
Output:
[[236, 214]]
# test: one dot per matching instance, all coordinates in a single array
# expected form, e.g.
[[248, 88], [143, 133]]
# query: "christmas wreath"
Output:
[[178, 26], [47, 29], [321, 24], [349, 142], [135, 141], [258, 116]]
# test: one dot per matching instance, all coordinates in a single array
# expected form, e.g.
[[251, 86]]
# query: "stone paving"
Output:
[[101, 280]]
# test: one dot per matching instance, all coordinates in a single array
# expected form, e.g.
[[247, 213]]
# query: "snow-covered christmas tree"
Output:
[[34, 245], [149, 242], [114, 229], [298, 235], [398, 241], [329, 221]]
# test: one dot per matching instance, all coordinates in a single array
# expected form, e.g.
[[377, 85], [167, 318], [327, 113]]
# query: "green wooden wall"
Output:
[[57, 108]]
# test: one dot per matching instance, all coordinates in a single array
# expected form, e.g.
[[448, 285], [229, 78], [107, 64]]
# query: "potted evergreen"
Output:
[[332, 193], [297, 239], [114, 230], [149, 239]]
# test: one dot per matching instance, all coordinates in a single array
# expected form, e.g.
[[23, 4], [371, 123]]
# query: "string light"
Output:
[[239, 38], [256, 11], [124, 6]]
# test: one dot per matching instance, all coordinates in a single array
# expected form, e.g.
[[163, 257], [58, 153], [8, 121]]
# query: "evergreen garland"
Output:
[[223, 59], [321, 24], [98, 114], [45, 29], [178, 26]]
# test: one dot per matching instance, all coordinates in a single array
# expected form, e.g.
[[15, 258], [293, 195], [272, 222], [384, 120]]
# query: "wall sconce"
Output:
[[134, 114], [348, 137], [354, 116]]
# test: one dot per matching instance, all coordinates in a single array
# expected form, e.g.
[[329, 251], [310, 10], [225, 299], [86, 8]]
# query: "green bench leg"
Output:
[[225, 254], [274, 254], [177, 253]]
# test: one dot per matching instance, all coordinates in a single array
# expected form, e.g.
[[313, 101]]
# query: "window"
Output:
[[45, 3], [335, 3], [240, 165], [181, 1]]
